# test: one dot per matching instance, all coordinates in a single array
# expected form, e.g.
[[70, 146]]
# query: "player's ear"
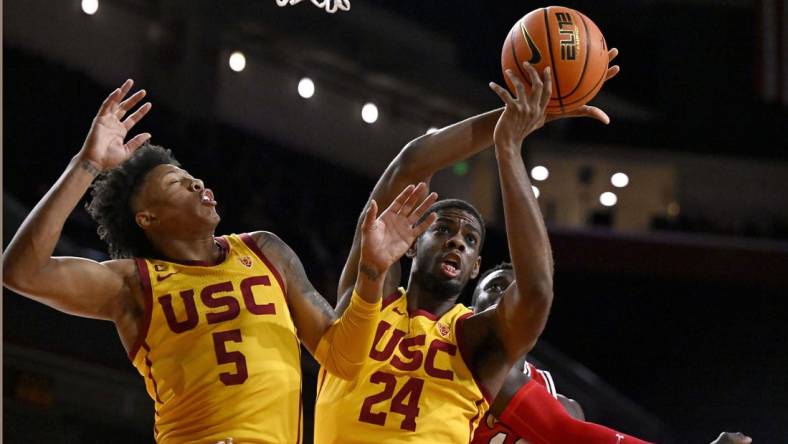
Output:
[[476, 267], [145, 219]]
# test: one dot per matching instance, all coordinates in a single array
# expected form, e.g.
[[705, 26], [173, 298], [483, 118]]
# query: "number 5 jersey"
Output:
[[218, 349], [415, 386]]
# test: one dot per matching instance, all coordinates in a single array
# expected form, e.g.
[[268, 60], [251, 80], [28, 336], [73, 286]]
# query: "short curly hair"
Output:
[[458, 204], [112, 194]]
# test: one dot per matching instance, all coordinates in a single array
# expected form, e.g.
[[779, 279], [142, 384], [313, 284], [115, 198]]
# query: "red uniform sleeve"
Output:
[[540, 419]]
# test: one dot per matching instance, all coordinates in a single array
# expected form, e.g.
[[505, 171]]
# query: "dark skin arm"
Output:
[[422, 157], [312, 315], [417, 162], [384, 239], [499, 337], [78, 286]]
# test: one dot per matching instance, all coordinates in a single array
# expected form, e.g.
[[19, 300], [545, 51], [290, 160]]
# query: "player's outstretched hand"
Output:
[[385, 238], [105, 145], [524, 113], [732, 438], [587, 110]]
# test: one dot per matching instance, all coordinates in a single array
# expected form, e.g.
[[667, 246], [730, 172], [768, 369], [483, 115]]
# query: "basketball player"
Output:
[[433, 368], [528, 405], [212, 323]]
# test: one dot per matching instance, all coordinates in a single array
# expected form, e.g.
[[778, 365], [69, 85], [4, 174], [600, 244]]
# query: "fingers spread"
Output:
[[612, 54], [136, 116], [400, 200], [519, 88], [137, 141], [611, 72], [130, 103], [422, 227], [502, 93], [415, 197], [370, 216], [547, 89], [595, 113], [423, 207], [109, 102], [584, 111]]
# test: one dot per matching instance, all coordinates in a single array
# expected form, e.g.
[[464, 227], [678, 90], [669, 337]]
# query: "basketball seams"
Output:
[[574, 80], [514, 54], [556, 83], [592, 91], [585, 56]]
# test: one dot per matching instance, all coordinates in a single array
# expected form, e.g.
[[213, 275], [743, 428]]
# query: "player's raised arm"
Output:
[[522, 312], [423, 156], [75, 285], [519, 318], [417, 162], [342, 345]]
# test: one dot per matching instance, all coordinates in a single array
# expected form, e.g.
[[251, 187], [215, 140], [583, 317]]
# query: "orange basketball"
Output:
[[567, 41]]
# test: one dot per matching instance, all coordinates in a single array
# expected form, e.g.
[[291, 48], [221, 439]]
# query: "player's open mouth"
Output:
[[451, 266], [206, 198]]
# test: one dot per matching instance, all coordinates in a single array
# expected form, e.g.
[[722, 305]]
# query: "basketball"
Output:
[[567, 41]]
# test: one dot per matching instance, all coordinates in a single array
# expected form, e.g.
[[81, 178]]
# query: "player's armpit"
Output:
[[344, 347]]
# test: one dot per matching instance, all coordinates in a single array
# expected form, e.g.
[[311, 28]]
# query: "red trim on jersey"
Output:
[[144, 323], [458, 332], [300, 394], [470, 423], [150, 373], [225, 248], [249, 241], [422, 312], [390, 298]]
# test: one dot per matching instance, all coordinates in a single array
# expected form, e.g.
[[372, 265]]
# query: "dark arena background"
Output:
[[671, 304]]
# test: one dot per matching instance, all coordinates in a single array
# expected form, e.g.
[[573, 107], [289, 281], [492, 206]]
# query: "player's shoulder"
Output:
[[275, 250], [126, 268], [268, 240]]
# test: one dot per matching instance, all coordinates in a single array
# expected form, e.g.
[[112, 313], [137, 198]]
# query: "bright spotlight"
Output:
[[536, 191], [431, 130], [608, 199], [539, 173], [306, 88], [619, 180], [90, 7], [369, 113], [237, 61]]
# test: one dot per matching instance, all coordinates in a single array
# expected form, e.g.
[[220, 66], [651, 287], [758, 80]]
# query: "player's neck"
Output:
[[420, 298], [201, 249]]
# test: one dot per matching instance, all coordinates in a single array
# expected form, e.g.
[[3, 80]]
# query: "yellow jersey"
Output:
[[218, 349], [415, 386]]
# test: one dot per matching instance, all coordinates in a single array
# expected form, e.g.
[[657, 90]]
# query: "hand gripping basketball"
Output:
[[524, 113]]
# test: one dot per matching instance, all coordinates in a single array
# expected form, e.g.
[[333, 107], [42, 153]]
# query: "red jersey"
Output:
[[490, 431]]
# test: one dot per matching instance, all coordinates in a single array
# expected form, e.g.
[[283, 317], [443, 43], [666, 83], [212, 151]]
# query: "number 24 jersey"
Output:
[[415, 386]]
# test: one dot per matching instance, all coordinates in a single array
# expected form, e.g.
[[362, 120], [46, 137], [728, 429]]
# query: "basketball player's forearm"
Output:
[[529, 247], [430, 153], [33, 244], [539, 418], [345, 346]]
